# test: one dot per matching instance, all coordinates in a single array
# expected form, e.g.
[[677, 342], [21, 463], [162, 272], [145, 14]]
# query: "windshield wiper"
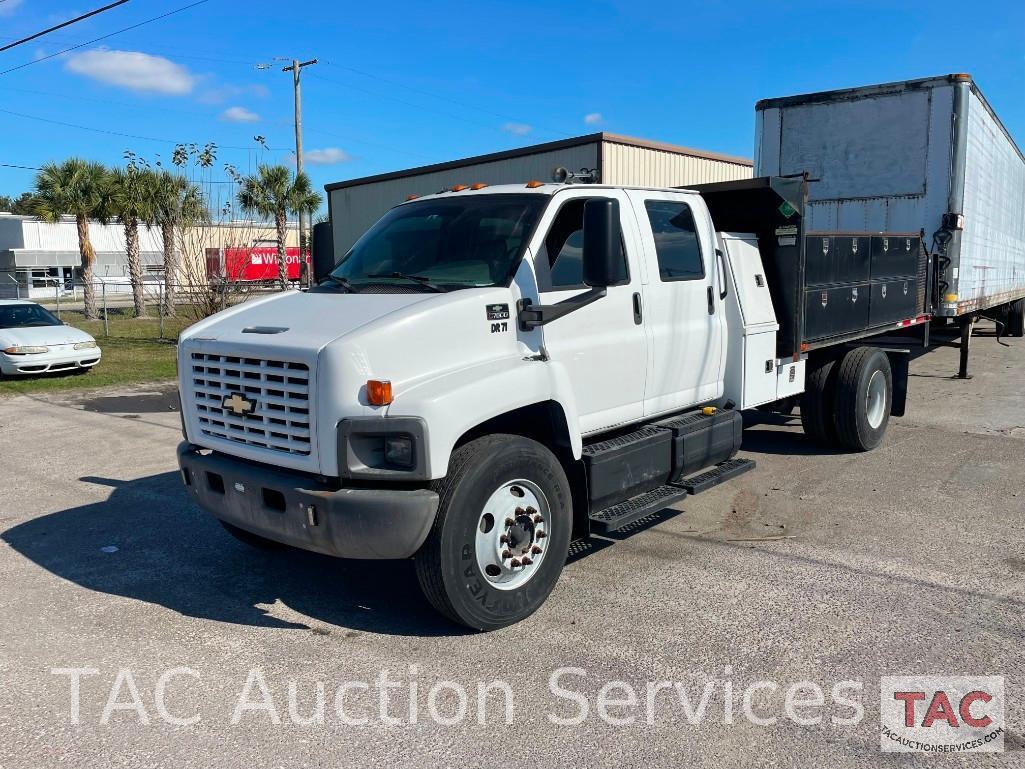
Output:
[[344, 283], [423, 281]]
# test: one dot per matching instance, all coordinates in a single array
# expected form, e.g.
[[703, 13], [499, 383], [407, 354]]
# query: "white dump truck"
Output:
[[490, 373]]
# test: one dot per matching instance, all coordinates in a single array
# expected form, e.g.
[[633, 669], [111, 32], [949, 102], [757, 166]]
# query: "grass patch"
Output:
[[134, 352]]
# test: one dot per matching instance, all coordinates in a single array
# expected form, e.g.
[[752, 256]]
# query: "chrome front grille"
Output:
[[279, 392]]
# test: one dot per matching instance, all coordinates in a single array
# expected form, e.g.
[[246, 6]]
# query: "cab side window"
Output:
[[676, 240], [563, 249]]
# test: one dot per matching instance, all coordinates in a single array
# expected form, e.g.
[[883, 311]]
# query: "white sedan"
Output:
[[33, 341]]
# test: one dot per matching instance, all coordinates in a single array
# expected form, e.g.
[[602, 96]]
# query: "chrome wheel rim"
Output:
[[876, 400], [512, 534]]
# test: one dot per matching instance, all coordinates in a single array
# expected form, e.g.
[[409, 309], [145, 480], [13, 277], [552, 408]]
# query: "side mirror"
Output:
[[603, 250], [323, 251]]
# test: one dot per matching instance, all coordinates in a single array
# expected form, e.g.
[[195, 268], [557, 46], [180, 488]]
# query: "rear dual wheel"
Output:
[[847, 400]]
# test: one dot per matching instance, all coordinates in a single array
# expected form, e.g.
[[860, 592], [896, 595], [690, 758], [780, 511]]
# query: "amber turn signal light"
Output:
[[379, 392], [534, 183]]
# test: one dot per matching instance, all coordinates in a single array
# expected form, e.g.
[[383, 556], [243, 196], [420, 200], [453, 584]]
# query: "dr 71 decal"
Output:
[[498, 314]]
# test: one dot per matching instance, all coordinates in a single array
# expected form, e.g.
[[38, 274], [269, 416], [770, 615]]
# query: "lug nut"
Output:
[[531, 511], [540, 535], [510, 522], [526, 560], [504, 539], [538, 519], [520, 511], [506, 555], [514, 562], [535, 550]]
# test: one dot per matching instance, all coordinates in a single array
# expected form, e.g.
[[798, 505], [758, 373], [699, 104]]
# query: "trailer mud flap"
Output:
[[899, 363]]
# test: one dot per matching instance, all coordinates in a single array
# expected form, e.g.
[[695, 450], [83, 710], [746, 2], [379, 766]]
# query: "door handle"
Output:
[[711, 301], [637, 309]]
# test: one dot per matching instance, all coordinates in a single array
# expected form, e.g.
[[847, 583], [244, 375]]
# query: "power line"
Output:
[[432, 95], [124, 135], [63, 24], [25, 168], [104, 37]]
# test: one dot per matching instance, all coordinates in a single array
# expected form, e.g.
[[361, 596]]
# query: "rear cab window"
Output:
[[677, 245]]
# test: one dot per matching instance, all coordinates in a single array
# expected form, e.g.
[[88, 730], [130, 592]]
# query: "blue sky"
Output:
[[409, 83]]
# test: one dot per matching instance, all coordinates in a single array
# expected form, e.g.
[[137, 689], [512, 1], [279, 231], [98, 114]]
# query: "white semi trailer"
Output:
[[925, 156], [492, 372]]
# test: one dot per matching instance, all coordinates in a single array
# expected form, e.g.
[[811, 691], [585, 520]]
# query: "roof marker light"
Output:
[[534, 184], [459, 188], [478, 186]]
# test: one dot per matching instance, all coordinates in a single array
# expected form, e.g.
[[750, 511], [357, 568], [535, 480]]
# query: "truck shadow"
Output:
[[171, 553]]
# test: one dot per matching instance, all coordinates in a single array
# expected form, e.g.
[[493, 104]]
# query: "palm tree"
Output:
[[273, 193], [176, 202], [131, 201], [77, 188]]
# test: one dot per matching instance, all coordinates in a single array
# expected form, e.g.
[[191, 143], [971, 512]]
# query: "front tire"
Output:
[[501, 535], [864, 396]]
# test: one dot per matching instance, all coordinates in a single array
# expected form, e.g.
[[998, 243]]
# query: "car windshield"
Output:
[[25, 315], [444, 244]]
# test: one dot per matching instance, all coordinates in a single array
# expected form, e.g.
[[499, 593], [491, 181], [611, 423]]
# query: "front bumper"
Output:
[[48, 362], [292, 508]]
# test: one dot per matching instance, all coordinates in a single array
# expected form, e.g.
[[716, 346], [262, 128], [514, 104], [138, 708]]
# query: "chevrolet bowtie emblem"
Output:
[[238, 404]]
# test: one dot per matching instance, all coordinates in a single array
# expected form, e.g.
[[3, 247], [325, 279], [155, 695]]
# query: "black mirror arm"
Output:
[[532, 315]]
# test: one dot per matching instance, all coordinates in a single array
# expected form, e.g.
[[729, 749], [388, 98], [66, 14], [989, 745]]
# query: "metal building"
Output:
[[356, 204], [40, 258]]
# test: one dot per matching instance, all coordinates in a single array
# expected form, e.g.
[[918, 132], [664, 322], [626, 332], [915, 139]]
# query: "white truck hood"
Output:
[[296, 320], [30, 336]]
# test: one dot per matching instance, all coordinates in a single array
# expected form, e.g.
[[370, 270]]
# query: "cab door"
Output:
[[603, 346], [684, 314]]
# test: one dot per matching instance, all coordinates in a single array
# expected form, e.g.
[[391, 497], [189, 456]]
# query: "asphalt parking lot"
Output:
[[821, 567]]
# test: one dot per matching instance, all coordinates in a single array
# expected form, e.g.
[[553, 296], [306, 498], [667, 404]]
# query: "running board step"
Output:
[[623, 514], [723, 471]]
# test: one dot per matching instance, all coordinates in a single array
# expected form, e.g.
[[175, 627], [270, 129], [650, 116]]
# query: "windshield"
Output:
[[461, 242], [24, 315]]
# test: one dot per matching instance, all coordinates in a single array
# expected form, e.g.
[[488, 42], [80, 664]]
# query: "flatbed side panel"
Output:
[[992, 258]]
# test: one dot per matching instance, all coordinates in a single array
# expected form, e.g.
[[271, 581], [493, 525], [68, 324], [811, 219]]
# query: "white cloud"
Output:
[[326, 157], [239, 115], [8, 8], [518, 129], [593, 118], [133, 70]]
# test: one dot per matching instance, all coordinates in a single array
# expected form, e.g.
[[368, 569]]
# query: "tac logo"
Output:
[[941, 714]]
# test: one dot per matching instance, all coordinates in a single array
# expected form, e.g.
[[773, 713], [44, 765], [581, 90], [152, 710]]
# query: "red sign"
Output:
[[247, 265]]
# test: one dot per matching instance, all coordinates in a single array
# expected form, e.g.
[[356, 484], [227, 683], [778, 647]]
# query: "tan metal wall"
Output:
[[648, 167], [355, 209]]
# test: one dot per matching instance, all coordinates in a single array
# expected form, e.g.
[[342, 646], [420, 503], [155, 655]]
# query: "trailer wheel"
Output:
[[864, 396], [501, 535], [817, 402], [1016, 318]]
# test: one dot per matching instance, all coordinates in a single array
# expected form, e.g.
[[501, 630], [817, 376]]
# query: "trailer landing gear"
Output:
[[967, 326]]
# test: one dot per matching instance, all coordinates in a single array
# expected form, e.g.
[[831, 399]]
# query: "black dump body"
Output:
[[827, 287]]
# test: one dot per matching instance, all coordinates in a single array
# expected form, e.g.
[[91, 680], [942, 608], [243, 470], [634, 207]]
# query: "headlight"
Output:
[[86, 346], [23, 350], [398, 450]]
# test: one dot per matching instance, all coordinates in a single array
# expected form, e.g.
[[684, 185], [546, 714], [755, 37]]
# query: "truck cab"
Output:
[[488, 374]]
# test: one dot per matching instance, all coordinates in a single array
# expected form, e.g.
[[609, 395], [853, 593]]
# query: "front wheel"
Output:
[[501, 535]]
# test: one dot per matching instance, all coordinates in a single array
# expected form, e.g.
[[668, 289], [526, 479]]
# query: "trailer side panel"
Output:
[[992, 253]]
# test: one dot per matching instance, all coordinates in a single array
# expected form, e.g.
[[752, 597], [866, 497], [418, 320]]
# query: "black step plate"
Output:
[[723, 471], [625, 513]]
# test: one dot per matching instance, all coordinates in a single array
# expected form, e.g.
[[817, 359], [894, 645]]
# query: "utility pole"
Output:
[[295, 68]]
